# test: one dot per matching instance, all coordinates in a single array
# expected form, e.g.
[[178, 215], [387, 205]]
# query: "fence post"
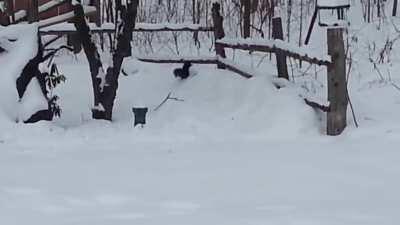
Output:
[[33, 11], [97, 17], [277, 33], [219, 32], [337, 85], [10, 10]]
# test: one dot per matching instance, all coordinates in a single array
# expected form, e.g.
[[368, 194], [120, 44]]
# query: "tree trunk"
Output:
[[289, 18], [246, 5], [394, 12], [105, 83], [310, 29], [219, 32], [277, 33]]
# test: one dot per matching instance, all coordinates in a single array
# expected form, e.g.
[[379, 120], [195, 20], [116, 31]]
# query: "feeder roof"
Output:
[[333, 3]]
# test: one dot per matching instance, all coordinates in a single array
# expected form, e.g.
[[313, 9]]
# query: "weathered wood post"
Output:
[[97, 17], [337, 85], [246, 5], [98, 20], [277, 33], [219, 32], [10, 10], [33, 11]]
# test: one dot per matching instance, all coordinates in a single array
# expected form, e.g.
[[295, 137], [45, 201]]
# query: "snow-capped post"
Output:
[[219, 32], [105, 80], [33, 11], [277, 33], [337, 85]]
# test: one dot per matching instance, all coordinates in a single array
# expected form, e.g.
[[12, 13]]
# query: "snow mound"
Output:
[[215, 103], [21, 47]]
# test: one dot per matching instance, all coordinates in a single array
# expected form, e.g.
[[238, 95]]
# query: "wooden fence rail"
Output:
[[273, 46], [67, 28]]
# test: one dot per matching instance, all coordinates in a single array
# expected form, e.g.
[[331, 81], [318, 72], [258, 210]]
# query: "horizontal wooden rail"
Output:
[[150, 27], [228, 64], [273, 46], [21, 15], [88, 10], [65, 28], [178, 59]]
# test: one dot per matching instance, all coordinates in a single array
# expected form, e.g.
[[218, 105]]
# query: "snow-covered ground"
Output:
[[114, 180], [235, 151]]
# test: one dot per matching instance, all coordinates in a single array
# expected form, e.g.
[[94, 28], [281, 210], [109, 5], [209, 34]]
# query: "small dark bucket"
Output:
[[140, 116]]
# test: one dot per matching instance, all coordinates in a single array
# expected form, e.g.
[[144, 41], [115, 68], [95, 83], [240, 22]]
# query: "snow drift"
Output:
[[22, 46]]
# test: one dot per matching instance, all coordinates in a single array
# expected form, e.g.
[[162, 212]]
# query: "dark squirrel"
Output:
[[183, 72]]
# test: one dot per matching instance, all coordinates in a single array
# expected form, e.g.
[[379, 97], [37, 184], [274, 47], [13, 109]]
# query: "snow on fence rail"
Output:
[[65, 17], [67, 28], [22, 14], [178, 59], [152, 27], [333, 4], [265, 45]]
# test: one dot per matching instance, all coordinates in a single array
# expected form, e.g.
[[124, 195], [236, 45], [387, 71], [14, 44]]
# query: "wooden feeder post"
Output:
[[33, 11], [219, 32], [337, 85], [277, 33]]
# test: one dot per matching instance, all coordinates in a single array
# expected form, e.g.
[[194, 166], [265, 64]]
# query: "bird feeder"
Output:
[[324, 10], [329, 7], [140, 116]]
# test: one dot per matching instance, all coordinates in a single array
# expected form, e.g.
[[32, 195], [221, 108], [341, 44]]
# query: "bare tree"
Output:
[[105, 82]]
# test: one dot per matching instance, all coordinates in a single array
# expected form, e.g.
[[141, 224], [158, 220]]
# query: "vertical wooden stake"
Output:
[[10, 10], [219, 32], [337, 90], [96, 3], [277, 33], [246, 5], [33, 11]]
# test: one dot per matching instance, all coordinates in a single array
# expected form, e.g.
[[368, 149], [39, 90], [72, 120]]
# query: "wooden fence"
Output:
[[334, 62]]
